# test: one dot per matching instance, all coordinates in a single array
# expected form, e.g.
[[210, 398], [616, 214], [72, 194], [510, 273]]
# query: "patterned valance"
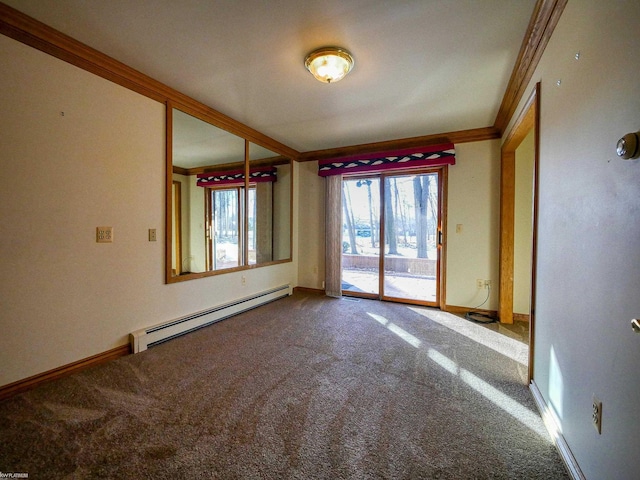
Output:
[[431, 156], [236, 177]]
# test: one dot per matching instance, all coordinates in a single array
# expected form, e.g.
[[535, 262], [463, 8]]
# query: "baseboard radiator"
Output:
[[148, 337]]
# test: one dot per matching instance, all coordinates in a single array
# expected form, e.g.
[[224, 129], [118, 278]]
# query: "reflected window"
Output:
[[218, 218], [224, 232]]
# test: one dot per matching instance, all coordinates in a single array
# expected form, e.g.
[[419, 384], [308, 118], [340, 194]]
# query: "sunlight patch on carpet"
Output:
[[400, 332], [497, 342], [498, 398], [501, 400]]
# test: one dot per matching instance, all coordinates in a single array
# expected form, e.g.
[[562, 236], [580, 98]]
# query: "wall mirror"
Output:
[[228, 201]]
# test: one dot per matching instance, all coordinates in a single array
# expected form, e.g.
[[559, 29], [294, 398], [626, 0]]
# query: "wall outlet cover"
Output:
[[104, 234], [596, 414]]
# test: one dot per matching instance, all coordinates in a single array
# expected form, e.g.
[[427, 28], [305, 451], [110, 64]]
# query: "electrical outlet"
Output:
[[104, 234], [480, 283], [596, 414], [487, 284], [243, 280], [152, 234]]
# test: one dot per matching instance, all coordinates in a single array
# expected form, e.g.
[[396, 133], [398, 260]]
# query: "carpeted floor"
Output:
[[307, 387]]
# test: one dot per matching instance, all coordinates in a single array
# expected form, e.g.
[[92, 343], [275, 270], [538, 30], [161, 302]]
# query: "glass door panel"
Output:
[[411, 223], [225, 240], [361, 235]]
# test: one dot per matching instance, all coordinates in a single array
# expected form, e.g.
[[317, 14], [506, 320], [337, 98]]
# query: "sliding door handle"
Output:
[[440, 237]]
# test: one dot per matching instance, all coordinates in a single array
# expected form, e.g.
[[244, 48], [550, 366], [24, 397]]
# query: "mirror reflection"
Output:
[[221, 220], [269, 206], [198, 146]]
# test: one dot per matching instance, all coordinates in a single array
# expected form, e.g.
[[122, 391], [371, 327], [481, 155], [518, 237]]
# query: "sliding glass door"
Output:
[[224, 229], [391, 236], [411, 251], [361, 235]]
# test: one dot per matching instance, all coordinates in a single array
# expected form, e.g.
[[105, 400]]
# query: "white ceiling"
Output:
[[422, 67]]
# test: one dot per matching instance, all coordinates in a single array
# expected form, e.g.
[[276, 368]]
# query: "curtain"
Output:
[[333, 236]]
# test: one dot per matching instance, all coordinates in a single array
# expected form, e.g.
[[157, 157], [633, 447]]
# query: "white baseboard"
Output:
[[556, 434]]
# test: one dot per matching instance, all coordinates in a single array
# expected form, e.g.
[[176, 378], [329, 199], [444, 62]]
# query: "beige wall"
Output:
[[473, 203], [282, 213], [195, 259], [588, 267], [63, 296], [523, 231], [310, 225]]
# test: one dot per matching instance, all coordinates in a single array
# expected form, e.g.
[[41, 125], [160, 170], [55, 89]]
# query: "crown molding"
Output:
[[461, 136], [544, 19]]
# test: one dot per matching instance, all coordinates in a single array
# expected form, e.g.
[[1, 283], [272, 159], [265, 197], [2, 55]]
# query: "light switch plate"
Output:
[[104, 234]]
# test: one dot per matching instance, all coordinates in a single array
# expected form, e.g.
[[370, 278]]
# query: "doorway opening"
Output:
[[392, 236], [518, 263]]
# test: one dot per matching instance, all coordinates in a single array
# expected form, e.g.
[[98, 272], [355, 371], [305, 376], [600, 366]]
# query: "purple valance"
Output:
[[432, 156], [236, 177]]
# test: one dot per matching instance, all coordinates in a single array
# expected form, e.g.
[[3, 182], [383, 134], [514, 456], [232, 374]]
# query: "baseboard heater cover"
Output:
[[150, 336]]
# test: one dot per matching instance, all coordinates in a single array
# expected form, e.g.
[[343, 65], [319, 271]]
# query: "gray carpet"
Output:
[[306, 387]]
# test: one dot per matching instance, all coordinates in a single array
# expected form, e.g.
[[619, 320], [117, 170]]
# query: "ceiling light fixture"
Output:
[[329, 64]]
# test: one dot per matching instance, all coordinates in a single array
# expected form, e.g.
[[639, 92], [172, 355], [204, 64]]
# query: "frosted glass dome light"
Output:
[[329, 64]]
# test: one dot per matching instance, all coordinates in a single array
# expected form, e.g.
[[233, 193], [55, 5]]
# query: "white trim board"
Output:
[[556, 434]]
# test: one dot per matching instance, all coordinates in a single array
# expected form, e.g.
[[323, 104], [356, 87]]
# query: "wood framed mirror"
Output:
[[229, 200]]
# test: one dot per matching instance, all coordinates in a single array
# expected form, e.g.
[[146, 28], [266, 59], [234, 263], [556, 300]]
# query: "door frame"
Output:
[[528, 119], [176, 215]]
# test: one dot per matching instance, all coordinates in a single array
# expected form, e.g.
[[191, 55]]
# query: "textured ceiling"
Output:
[[422, 66]]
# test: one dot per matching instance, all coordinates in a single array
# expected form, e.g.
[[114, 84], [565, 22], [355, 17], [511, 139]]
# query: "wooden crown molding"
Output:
[[21, 27], [461, 136], [180, 171], [523, 123], [544, 19], [265, 162]]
